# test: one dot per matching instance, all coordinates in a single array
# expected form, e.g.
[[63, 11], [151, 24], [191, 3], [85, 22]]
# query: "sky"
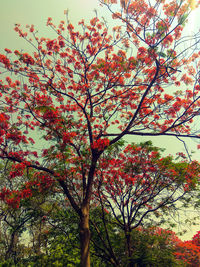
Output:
[[36, 12]]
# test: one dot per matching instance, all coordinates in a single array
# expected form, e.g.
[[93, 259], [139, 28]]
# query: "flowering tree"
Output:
[[77, 94], [188, 251], [138, 184], [169, 247], [15, 219]]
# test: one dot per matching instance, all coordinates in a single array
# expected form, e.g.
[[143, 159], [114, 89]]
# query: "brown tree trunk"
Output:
[[85, 236], [11, 252], [128, 247]]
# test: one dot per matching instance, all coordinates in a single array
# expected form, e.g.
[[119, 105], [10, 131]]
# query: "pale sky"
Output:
[[37, 11]]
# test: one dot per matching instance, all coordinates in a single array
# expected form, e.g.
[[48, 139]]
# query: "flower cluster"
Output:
[[100, 144]]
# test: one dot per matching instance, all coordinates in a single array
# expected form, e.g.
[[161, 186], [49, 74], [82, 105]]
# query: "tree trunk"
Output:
[[85, 236], [11, 252], [128, 247]]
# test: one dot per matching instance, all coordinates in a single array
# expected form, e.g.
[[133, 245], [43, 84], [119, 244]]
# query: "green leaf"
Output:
[[161, 54], [44, 109], [182, 19]]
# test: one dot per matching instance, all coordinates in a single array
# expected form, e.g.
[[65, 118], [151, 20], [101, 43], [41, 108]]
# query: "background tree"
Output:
[[188, 253], [140, 187], [86, 89], [22, 223]]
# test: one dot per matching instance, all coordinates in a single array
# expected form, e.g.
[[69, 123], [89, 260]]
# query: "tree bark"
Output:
[[11, 252], [128, 247], [85, 236]]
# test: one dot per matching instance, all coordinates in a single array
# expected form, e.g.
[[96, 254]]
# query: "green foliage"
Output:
[[183, 19], [60, 253], [115, 148], [161, 54], [147, 248], [151, 250]]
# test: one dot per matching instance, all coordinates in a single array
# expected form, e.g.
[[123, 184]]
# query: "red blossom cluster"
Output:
[[5, 61], [27, 59], [68, 137], [188, 252], [38, 184], [101, 144]]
